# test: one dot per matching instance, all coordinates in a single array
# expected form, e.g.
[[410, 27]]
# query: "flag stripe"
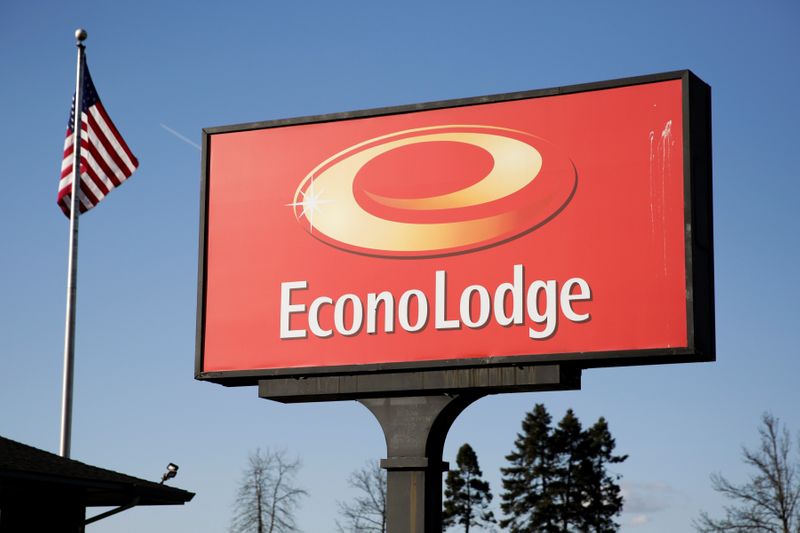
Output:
[[90, 191], [86, 202], [98, 173], [98, 163], [106, 147], [63, 201], [102, 164], [134, 163], [93, 179]]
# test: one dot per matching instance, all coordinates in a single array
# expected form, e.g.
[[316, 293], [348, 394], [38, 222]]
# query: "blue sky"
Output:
[[185, 66]]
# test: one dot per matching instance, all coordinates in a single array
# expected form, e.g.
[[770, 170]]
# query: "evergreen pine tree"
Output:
[[557, 480], [467, 496], [527, 497], [602, 494], [568, 450]]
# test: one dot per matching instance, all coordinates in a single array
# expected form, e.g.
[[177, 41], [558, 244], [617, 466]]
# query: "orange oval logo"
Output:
[[528, 181]]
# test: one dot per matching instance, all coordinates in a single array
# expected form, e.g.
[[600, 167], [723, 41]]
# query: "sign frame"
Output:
[[698, 245]]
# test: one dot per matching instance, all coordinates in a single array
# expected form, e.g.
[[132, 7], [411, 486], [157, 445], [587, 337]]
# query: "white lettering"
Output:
[[338, 315], [549, 317], [422, 310], [288, 308], [373, 301], [567, 298], [509, 304], [515, 290], [484, 306], [440, 303], [313, 317]]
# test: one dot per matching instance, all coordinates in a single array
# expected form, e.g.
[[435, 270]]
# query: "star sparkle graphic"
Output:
[[311, 202]]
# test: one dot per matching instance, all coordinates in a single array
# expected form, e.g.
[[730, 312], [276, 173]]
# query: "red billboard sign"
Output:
[[568, 225]]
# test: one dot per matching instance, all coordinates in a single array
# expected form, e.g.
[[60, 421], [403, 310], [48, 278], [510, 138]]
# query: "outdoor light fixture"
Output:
[[172, 471]]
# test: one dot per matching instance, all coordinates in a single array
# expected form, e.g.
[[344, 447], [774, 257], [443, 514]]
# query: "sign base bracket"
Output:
[[462, 381]]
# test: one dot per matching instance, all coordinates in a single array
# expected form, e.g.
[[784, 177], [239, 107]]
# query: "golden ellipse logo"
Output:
[[528, 181]]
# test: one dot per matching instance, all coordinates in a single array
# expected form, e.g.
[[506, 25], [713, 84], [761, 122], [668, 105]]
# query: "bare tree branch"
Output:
[[367, 512], [267, 498], [768, 502]]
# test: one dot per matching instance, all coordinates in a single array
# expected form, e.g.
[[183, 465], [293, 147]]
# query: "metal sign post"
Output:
[[415, 429], [415, 426]]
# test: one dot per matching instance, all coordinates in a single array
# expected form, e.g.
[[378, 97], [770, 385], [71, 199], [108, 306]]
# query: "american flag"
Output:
[[106, 161]]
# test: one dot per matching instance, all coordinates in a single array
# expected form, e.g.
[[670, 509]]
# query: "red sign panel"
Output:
[[528, 228]]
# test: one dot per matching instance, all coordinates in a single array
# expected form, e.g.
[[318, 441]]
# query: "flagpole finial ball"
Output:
[[81, 35]]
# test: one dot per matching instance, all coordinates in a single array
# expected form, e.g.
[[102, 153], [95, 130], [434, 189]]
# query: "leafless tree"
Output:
[[268, 497], [367, 513], [768, 502]]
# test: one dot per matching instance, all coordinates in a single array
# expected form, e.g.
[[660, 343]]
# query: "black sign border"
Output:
[[698, 243]]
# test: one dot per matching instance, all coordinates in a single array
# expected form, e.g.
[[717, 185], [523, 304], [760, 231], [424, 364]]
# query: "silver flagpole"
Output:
[[72, 267]]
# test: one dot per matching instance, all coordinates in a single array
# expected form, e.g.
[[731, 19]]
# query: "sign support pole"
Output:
[[415, 429], [415, 422]]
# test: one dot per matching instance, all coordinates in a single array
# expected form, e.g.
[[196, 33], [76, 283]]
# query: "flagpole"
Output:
[[72, 266]]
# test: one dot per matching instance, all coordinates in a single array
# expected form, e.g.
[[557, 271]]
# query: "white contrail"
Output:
[[179, 136]]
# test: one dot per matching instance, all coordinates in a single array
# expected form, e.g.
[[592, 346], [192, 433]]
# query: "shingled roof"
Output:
[[25, 467]]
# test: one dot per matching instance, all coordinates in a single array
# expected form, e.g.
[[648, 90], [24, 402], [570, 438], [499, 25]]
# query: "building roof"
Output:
[[25, 467]]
